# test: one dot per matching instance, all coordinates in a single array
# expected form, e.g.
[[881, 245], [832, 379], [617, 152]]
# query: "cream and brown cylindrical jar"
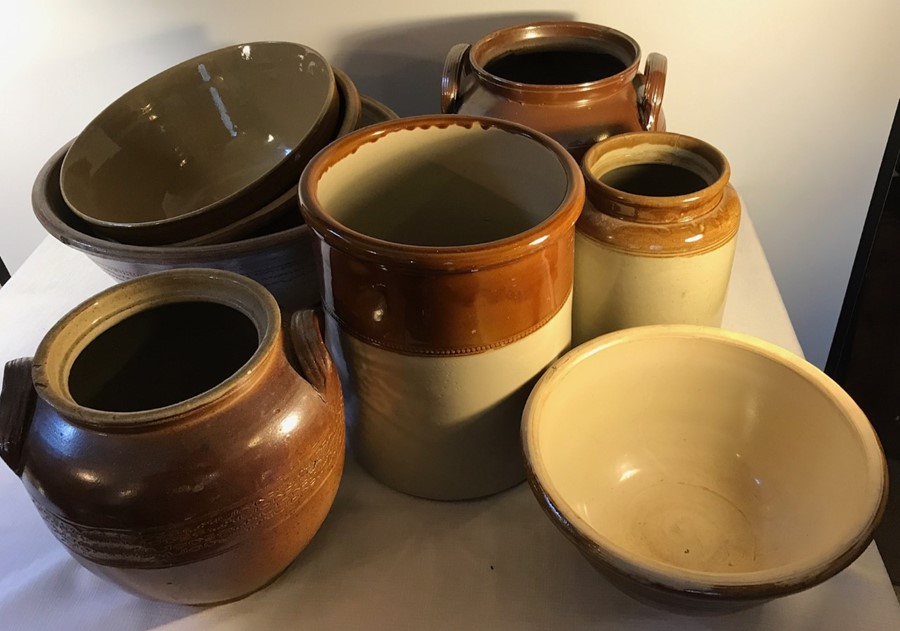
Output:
[[445, 246], [575, 81], [655, 243]]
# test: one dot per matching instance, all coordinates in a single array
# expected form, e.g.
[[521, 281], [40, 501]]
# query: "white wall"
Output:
[[799, 94]]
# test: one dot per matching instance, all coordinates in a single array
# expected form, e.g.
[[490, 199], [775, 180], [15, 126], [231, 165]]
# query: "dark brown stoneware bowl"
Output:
[[176, 437], [198, 145], [281, 259], [276, 211]]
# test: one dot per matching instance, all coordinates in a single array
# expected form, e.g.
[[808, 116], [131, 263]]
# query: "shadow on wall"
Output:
[[401, 65], [111, 69]]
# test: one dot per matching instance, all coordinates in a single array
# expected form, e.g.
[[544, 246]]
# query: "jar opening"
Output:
[[446, 185], [679, 168], [545, 55], [162, 356], [556, 63], [655, 179]]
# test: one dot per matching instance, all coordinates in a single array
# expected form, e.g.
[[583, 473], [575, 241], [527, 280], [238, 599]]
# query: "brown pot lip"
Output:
[[159, 288], [234, 196], [480, 55], [448, 259], [174, 254], [648, 208]]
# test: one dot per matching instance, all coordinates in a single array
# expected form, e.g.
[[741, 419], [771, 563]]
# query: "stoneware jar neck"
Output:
[[689, 156]]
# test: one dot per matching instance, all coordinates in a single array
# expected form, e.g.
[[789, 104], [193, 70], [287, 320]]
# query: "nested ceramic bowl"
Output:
[[696, 465], [177, 436], [373, 112], [350, 103], [198, 145], [280, 258], [282, 210]]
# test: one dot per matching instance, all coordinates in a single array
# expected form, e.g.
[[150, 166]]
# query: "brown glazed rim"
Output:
[[54, 356], [659, 226], [234, 195], [506, 39], [448, 259], [702, 585], [648, 208]]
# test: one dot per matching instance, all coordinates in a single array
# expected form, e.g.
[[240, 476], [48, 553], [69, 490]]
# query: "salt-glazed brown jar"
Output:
[[575, 81], [175, 437], [655, 243], [445, 248]]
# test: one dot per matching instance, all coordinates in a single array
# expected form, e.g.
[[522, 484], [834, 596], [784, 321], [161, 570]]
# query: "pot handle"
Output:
[[454, 66], [17, 400], [654, 80], [309, 349]]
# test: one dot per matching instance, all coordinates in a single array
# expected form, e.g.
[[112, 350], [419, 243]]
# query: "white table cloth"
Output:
[[383, 560]]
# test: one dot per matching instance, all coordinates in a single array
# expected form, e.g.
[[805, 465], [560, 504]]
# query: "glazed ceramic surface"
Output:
[[168, 440], [704, 465], [350, 103], [575, 81], [192, 148], [280, 258], [445, 254], [415, 432], [661, 251], [372, 112]]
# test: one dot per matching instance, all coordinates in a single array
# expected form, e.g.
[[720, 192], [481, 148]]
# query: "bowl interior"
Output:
[[443, 184], [704, 455], [198, 133]]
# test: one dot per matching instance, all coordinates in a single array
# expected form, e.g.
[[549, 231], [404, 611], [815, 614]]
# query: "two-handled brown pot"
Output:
[[176, 437], [576, 82]]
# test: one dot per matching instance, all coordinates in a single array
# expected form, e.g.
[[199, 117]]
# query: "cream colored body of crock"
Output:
[[409, 425], [616, 289]]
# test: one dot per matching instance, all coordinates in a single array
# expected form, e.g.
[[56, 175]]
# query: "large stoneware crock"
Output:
[[175, 437], [445, 252]]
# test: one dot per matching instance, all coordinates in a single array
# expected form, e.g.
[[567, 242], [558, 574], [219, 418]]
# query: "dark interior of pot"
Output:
[[553, 62], [162, 356], [655, 179], [445, 186]]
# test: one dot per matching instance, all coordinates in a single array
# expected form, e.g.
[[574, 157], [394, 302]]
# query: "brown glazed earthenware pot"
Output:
[[575, 81], [655, 243], [445, 252], [175, 437], [199, 145]]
